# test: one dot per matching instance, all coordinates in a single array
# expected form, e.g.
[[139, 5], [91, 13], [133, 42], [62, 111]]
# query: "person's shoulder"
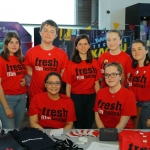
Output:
[[59, 49], [103, 90], [94, 60], [105, 54], [127, 91], [125, 54], [33, 49], [65, 97], [42, 94]]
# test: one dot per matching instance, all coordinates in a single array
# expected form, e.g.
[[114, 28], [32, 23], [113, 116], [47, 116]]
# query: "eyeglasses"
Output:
[[112, 75], [53, 83]]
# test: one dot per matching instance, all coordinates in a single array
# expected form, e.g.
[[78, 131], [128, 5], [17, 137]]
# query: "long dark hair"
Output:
[[147, 59], [54, 74], [5, 52], [75, 54]]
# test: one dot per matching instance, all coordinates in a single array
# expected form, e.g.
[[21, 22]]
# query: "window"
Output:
[[37, 11]]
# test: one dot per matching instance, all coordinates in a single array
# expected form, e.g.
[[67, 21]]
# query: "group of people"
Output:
[[115, 86]]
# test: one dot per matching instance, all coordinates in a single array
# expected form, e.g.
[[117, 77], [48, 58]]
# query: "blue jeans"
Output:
[[84, 104], [145, 113], [18, 106]]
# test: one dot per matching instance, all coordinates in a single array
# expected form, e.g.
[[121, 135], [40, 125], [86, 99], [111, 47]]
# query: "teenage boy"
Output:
[[44, 58]]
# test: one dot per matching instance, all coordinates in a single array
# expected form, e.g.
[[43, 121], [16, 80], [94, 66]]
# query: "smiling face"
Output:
[[113, 41], [139, 52], [83, 46], [13, 46], [112, 76], [53, 85], [48, 34]]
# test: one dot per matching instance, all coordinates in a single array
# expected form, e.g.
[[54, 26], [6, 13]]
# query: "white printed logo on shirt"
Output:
[[11, 74], [38, 68], [80, 77], [100, 111]]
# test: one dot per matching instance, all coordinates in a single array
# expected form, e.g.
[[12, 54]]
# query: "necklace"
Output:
[[112, 93]]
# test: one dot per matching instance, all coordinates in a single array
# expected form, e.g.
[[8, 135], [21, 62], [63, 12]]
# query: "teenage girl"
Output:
[[114, 104], [139, 82], [12, 82], [81, 76], [114, 40], [52, 109]]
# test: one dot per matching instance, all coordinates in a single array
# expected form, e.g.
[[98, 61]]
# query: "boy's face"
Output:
[[48, 34]]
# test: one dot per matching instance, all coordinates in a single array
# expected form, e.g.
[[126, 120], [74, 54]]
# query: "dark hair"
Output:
[[51, 23], [5, 52], [147, 59], [114, 31], [54, 74], [119, 69], [75, 54]]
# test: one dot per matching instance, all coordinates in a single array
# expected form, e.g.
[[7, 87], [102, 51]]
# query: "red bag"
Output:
[[134, 140]]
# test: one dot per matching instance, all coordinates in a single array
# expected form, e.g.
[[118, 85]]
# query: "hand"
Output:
[[148, 122], [23, 82], [9, 113]]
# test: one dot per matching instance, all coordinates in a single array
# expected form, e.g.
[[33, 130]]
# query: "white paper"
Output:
[[56, 132], [101, 146]]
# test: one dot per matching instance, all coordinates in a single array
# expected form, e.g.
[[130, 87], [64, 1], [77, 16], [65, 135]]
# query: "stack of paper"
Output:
[[56, 132], [101, 146]]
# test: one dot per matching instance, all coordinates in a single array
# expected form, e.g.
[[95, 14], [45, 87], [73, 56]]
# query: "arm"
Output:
[[68, 125], [97, 86], [29, 70], [148, 122], [123, 121], [8, 111], [34, 122], [62, 71], [68, 89], [99, 123], [23, 82]]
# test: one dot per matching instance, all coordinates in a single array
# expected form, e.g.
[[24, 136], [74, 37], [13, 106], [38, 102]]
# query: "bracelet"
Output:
[[7, 107]]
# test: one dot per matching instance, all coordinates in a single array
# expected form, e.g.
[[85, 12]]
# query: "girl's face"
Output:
[[13, 46], [113, 41], [83, 46], [53, 85], [112, 76], [139, 52]]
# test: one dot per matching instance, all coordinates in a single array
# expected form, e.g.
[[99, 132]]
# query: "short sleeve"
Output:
[[71, 112], [67, 75], [129, 107], [33, 107]]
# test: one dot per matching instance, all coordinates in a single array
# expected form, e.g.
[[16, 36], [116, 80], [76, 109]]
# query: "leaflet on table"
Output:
[[56, 132], [82, 132], [102, 146]]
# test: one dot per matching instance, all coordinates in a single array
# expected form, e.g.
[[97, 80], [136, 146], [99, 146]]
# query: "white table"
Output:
[[76, 139]]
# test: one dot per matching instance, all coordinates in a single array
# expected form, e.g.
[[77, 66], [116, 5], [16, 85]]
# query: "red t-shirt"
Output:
[[131, 140], [82, 76], [111, 107], [43, 62], [11, 73], [52, 113], [139, 82], [123, 58]]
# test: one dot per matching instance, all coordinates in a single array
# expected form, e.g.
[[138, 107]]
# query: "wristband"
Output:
[[7, 107]]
